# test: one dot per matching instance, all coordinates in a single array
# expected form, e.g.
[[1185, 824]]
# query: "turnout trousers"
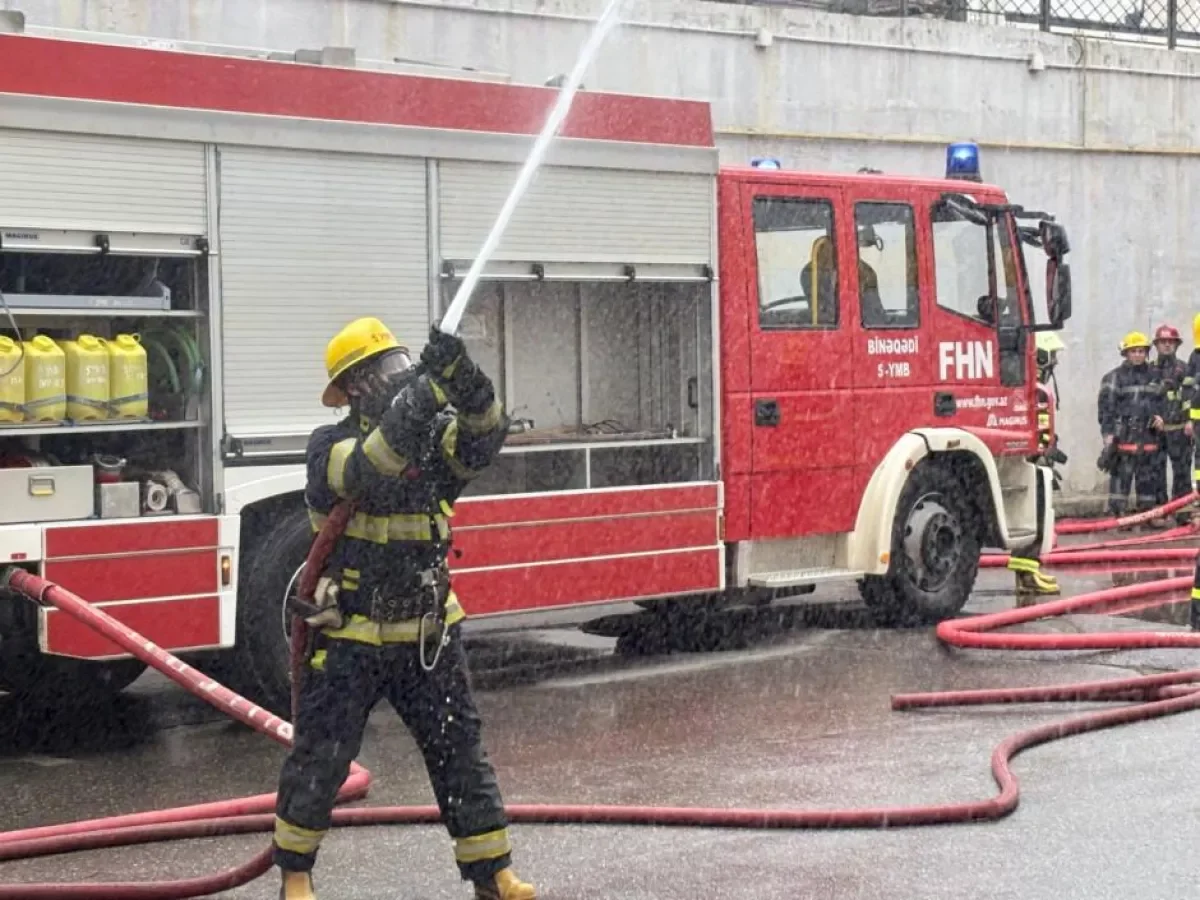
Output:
[[343, 684], [1138, 470]]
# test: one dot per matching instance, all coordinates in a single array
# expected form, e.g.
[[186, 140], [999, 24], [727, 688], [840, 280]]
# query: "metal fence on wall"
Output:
[[1174, 23]]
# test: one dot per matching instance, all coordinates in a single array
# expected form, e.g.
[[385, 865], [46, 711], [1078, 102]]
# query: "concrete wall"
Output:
[[1104, 135]]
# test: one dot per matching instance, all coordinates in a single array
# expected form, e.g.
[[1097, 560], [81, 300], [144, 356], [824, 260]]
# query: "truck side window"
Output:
[[1006, 277], [960, 256], [797, 263], [887, 265]]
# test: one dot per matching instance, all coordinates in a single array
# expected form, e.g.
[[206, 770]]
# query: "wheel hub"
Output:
[[932, 542]]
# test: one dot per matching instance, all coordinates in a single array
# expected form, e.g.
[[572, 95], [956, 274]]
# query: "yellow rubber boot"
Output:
[[1031, 585], [504, 886], [297, 886]]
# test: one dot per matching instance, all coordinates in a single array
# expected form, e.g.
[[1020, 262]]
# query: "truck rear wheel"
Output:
[[269, 567], [44, 680], [934, 556], [58, 681]]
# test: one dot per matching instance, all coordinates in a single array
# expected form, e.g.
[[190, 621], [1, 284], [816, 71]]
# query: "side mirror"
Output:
[[1058, 291], [1054, 240]]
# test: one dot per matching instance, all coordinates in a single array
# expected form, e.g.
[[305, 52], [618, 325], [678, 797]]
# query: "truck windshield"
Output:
[[960, 252]]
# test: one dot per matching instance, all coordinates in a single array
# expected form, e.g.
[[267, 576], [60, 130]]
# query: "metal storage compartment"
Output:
[[309, 242], [46, 494], [85, 181]]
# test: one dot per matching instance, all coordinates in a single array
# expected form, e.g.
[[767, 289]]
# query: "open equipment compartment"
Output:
[[607, 382], [594, 319], [135, 414]]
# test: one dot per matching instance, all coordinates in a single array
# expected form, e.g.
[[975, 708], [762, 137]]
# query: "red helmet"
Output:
[[1167, 333]]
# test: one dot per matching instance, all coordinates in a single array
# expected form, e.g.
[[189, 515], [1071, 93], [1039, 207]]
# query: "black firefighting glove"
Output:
[[408, 419], [446, 358], [442, 352]]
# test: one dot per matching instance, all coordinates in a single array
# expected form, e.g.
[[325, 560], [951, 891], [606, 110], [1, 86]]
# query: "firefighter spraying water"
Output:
[[385, 621], [388, 621]]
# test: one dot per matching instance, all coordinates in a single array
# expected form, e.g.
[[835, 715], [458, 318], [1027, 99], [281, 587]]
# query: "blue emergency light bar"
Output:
[[765, 162], [962, 161]]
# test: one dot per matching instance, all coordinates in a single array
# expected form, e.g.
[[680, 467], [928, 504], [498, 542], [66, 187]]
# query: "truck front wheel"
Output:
[[934, 555]]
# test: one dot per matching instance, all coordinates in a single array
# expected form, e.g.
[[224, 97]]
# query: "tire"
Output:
[[934, 556], [261, 667], [56, 681]]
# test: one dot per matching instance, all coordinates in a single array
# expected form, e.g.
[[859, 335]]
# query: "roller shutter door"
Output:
[[310, 241], [73, 181], [578, 214]]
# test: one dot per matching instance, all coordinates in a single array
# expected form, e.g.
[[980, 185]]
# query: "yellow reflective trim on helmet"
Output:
[[339, 456], [490, 845], [381, 455]]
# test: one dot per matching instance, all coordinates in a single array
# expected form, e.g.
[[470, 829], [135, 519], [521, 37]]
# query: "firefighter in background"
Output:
[[1026, 561], [388, 621], [1130, 408], [1177, 427]]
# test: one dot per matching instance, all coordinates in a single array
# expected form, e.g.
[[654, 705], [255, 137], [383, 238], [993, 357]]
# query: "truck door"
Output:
[[893, 353], [802, 444], [982, 352]]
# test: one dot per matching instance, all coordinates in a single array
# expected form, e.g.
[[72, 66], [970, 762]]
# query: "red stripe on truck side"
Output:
[[100, 580], [176, 624], [587, 581], [58, 68], [611, 536], [132, 537], [560, 507]]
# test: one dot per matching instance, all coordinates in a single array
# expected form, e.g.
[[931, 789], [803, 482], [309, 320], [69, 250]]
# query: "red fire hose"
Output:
[[1149, 697]]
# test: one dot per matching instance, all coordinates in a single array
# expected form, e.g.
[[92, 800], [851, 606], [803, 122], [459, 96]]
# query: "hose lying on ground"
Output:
[[1152, 697]]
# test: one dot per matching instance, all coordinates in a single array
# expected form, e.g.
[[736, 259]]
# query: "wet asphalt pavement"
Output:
[[800, 718]]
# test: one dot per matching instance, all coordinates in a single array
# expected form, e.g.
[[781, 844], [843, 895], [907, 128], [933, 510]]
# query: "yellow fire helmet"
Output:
[[1134, 340], [361, 339], [1196, 330], [1049, 342]]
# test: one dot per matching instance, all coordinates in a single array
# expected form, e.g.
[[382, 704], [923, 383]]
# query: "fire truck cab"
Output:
[[724, 384], [878, 374]]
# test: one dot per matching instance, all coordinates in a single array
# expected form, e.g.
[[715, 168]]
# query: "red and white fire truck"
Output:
[[724, 383]]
